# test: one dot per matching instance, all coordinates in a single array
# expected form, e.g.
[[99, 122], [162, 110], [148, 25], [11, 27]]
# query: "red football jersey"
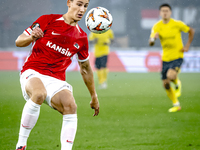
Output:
[[52, 54]]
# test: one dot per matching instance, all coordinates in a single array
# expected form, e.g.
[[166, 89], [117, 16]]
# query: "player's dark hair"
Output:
[[165, 5]]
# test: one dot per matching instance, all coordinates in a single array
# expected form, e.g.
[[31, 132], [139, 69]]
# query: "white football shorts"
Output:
[[51, 84]]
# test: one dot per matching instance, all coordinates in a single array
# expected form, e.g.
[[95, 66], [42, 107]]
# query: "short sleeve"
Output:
[[111, 35], [183, 27], [41, 22], [91, 36], [83, 54]]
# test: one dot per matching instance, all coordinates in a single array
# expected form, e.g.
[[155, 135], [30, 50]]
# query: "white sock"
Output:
[[68, 131], [29, 118], [176, 104]]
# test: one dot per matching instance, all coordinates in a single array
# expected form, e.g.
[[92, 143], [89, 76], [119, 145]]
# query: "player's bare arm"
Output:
[[24, 40], [190, 38], [87, 74], [152, 40]]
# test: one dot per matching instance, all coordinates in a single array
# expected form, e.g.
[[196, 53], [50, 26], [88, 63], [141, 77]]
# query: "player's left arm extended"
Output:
[[190, 38], [87, 75]]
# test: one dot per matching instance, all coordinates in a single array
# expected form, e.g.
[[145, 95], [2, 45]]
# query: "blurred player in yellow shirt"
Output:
[[101, 52], [169, 30]]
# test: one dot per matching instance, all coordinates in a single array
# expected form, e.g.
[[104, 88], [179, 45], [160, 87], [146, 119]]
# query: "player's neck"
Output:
[[165, 21], [69, 20]]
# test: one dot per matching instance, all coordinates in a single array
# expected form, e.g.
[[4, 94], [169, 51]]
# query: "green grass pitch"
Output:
[[133, 115]]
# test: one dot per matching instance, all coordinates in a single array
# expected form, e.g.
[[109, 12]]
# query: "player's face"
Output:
[[165, 13], [77, 8]]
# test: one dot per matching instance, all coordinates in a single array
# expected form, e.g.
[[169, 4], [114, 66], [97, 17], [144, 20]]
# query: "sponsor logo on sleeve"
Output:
[[35, 25]]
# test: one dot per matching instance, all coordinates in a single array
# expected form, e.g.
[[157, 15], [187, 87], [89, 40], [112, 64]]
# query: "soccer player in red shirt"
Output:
[[55, 39]]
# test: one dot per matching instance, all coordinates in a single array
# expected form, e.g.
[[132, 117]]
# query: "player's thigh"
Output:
[[174, 68], [172, 74], [64, 102], [36, 90]]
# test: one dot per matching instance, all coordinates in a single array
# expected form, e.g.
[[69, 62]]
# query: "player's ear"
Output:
[[68, 3]]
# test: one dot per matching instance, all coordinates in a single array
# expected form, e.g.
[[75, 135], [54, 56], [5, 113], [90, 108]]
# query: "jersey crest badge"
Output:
[[76, 45]]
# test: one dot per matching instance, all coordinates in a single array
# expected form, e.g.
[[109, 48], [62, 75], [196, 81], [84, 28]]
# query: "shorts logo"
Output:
[[35, 25], [29, 76]]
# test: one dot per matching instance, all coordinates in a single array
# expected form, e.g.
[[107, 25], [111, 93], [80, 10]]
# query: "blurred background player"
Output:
[[169, 30], [101, 52], [43, 74]]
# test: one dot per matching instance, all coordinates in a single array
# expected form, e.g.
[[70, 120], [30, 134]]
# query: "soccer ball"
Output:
[[98, 20]]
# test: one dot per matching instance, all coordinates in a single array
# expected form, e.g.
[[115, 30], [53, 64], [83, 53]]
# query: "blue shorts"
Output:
[[101, 62], [175, 64]]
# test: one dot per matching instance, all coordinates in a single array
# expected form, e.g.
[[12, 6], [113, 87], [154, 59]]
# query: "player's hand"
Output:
[[37, 33], [185, 49], [94, 104], [152, 40]]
